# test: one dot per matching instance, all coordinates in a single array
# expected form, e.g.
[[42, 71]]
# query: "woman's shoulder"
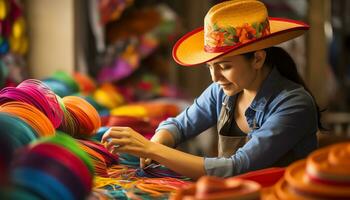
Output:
[[294, 94]]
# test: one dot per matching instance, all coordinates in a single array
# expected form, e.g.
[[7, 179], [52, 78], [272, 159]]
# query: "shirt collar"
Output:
[[269, 87]]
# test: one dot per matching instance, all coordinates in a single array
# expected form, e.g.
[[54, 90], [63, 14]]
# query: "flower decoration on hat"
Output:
[[225, 28]]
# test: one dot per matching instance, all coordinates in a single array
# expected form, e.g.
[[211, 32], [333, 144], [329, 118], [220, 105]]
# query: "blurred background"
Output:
[[126, 44]]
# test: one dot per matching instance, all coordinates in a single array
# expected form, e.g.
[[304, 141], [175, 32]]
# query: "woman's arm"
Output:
[[163, 137], [178, 161], [126, 140]]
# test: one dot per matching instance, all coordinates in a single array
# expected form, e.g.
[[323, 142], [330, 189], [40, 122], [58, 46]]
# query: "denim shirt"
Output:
[[282, 119]]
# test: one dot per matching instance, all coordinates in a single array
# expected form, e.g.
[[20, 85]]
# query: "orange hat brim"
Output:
[[189, 50], [295, 175]]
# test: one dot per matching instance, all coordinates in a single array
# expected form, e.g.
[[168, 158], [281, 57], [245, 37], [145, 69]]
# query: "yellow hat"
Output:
[[234, 27]]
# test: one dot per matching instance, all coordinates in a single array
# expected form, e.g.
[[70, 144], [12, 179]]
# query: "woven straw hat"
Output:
[[232, 28]]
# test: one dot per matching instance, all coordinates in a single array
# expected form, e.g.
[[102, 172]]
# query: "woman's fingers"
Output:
[[147, 161], [120, 128], [125, 139], [144, 162], [116, 132], [113, 143]]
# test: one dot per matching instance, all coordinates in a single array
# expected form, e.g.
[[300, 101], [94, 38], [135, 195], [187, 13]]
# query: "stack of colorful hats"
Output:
[[324, 174], [143, 117], [108, 96], [14, 134], [66, 172], [33, 92], [36, 104], [62, 84]]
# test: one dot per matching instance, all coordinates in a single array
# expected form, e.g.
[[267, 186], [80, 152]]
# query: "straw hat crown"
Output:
[[234, 22]]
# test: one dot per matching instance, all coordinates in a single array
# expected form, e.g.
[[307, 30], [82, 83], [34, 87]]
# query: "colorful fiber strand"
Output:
[[129, 160], [116, 183], [159, 186], [86, 120], [110, 188], [121, 171], [36, 93], [102, 182], [157, 171], [134, 187], [121, 177], [106, 194], [31, 115], [110, 158], [100, 157], [102, 111], [69, 124], [98, 161], [45, 97]]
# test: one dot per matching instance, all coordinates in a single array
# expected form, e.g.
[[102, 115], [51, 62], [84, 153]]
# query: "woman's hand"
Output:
[[126, 140]]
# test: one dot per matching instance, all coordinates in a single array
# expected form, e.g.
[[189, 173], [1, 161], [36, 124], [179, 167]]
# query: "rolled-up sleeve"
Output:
[[171, 127]]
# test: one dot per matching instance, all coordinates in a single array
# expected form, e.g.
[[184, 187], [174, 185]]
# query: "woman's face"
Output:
[[233, 74]]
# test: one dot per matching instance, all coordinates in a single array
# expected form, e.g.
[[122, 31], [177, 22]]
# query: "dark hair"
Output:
[[279, 58]]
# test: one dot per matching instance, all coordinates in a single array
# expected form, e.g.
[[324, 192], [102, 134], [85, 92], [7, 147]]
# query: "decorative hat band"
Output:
[[219, 39]]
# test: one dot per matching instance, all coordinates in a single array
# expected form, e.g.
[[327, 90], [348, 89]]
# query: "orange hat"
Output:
[[232, 28], [215, 188], [323, 175]]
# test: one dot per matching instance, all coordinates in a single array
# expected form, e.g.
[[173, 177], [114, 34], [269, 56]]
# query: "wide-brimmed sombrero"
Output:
[[232, 28]]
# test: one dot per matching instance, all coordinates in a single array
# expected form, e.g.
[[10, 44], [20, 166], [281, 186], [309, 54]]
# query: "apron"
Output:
[[228, 142]]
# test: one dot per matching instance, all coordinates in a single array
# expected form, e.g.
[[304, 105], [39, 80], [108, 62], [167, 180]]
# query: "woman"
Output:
[[264, 114]]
